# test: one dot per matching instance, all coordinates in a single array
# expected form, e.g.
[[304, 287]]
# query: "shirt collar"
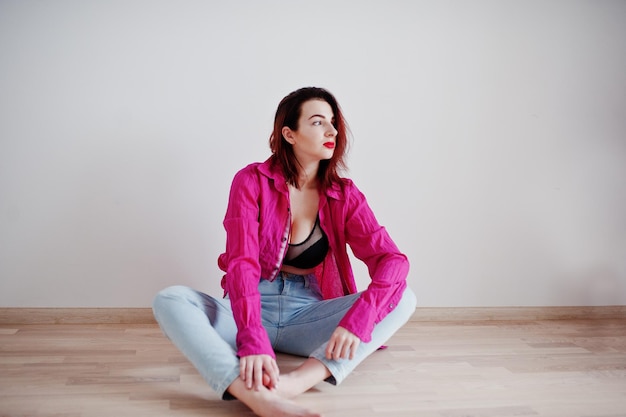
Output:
[[335, 191], [272, 171]]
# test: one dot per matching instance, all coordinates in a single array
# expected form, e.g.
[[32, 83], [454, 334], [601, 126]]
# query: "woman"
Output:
[[288, 282]]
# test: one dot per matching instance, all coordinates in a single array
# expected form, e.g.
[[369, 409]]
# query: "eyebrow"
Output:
[[320, 115]]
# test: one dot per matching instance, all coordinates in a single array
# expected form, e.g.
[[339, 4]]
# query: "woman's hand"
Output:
[[342, 344], [259, 370]]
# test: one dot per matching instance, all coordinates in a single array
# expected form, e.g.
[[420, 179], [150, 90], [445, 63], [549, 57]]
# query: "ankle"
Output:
[[268, 403], [303, 378]]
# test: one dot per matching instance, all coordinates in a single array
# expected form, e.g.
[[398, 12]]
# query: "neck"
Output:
[[307, 176]]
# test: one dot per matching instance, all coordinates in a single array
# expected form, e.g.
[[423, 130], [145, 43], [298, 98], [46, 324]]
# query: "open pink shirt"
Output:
[[257, 224]]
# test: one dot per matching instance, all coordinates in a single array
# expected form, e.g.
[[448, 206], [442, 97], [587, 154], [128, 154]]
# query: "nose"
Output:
[[331, 131]]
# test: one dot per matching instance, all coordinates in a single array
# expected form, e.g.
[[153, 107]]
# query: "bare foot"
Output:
[[268, 403], [280, 407], [291, 386], [301, 379]]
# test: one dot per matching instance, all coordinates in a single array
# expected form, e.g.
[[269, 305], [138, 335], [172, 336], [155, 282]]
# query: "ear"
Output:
[[288, 135]]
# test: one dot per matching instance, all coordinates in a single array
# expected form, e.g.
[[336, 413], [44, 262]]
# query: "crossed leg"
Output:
[[266, 402]]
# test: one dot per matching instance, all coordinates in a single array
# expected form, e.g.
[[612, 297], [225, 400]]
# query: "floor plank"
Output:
[[549, 368]]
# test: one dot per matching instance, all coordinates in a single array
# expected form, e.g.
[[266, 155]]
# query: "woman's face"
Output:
[[314, 140]]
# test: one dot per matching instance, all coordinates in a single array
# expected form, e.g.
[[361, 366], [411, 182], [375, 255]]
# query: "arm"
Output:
[[242, 265], [257, 358], [388, 267]]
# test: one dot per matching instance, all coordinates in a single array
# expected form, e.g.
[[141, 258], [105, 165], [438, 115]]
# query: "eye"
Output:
[[317, 123]]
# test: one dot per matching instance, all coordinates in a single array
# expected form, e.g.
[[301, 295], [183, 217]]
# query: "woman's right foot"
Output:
[[280, 407], [268, 403]]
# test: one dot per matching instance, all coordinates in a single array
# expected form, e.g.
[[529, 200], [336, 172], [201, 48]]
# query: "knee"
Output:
[[168, 296]]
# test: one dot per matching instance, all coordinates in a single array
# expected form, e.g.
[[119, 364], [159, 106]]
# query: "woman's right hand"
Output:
[[259, 370]]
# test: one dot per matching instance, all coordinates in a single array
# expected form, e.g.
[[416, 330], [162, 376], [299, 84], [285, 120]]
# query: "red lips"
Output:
[[330, 145]]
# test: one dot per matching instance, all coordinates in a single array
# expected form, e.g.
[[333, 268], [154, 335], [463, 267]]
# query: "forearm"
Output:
[[379, 299]]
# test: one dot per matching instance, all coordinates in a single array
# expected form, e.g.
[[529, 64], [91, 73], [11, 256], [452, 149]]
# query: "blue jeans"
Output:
[[298, 322]]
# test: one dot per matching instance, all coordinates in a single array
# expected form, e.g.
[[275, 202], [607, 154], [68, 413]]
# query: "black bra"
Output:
[[311, 252]]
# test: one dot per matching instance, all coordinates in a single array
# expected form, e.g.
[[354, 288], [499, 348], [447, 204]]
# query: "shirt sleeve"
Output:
[[243, 270], [387, 266]]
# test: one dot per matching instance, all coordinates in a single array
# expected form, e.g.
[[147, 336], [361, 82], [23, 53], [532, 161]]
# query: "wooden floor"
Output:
[[559, 368]]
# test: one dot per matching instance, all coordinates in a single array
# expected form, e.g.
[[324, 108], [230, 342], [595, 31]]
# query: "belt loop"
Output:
[[306, 281]]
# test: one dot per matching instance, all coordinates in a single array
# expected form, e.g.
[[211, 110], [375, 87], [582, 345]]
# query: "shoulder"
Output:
[[249, 170], [255, 169], [261, 175], [345, 189], [347, 183], [246, 177]]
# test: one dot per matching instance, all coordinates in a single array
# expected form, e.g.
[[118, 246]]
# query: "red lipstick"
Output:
[[330, 145]]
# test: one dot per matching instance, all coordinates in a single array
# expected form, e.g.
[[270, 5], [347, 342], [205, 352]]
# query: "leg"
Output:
[[268, 403], [310, 373], [313, 326], [203, 329], [383, 331]]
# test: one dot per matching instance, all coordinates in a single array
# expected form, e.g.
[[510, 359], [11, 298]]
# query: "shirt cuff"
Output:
[[254, 342]]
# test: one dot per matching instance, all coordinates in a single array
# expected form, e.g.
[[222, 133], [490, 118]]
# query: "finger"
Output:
[[352, 351], [273, 373], [345, 350], [337, 349], [276, 369], [242, 369], [258, 374], [355, 346], [351, 348], [249, 377], [330, 347]]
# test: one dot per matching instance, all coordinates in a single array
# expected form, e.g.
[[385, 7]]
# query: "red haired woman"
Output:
[[289, 285]]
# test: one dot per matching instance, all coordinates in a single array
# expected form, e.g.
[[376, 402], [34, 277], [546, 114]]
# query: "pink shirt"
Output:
[[257, 224]]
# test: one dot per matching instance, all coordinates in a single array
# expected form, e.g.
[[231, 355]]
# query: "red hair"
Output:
[[287, 114]]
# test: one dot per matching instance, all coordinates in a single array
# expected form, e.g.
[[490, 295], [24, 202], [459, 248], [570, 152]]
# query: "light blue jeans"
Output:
[[297, 321]]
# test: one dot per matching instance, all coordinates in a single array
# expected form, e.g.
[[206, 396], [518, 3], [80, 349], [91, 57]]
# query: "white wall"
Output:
[[489, 136]]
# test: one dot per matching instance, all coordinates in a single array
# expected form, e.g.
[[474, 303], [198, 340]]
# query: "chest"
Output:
[[304, 210]]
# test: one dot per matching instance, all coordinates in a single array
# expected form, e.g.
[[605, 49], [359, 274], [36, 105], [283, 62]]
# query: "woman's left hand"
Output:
[[342, 344]]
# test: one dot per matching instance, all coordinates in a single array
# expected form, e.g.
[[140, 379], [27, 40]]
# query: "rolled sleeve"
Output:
[[242, 265], [387, 266]]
